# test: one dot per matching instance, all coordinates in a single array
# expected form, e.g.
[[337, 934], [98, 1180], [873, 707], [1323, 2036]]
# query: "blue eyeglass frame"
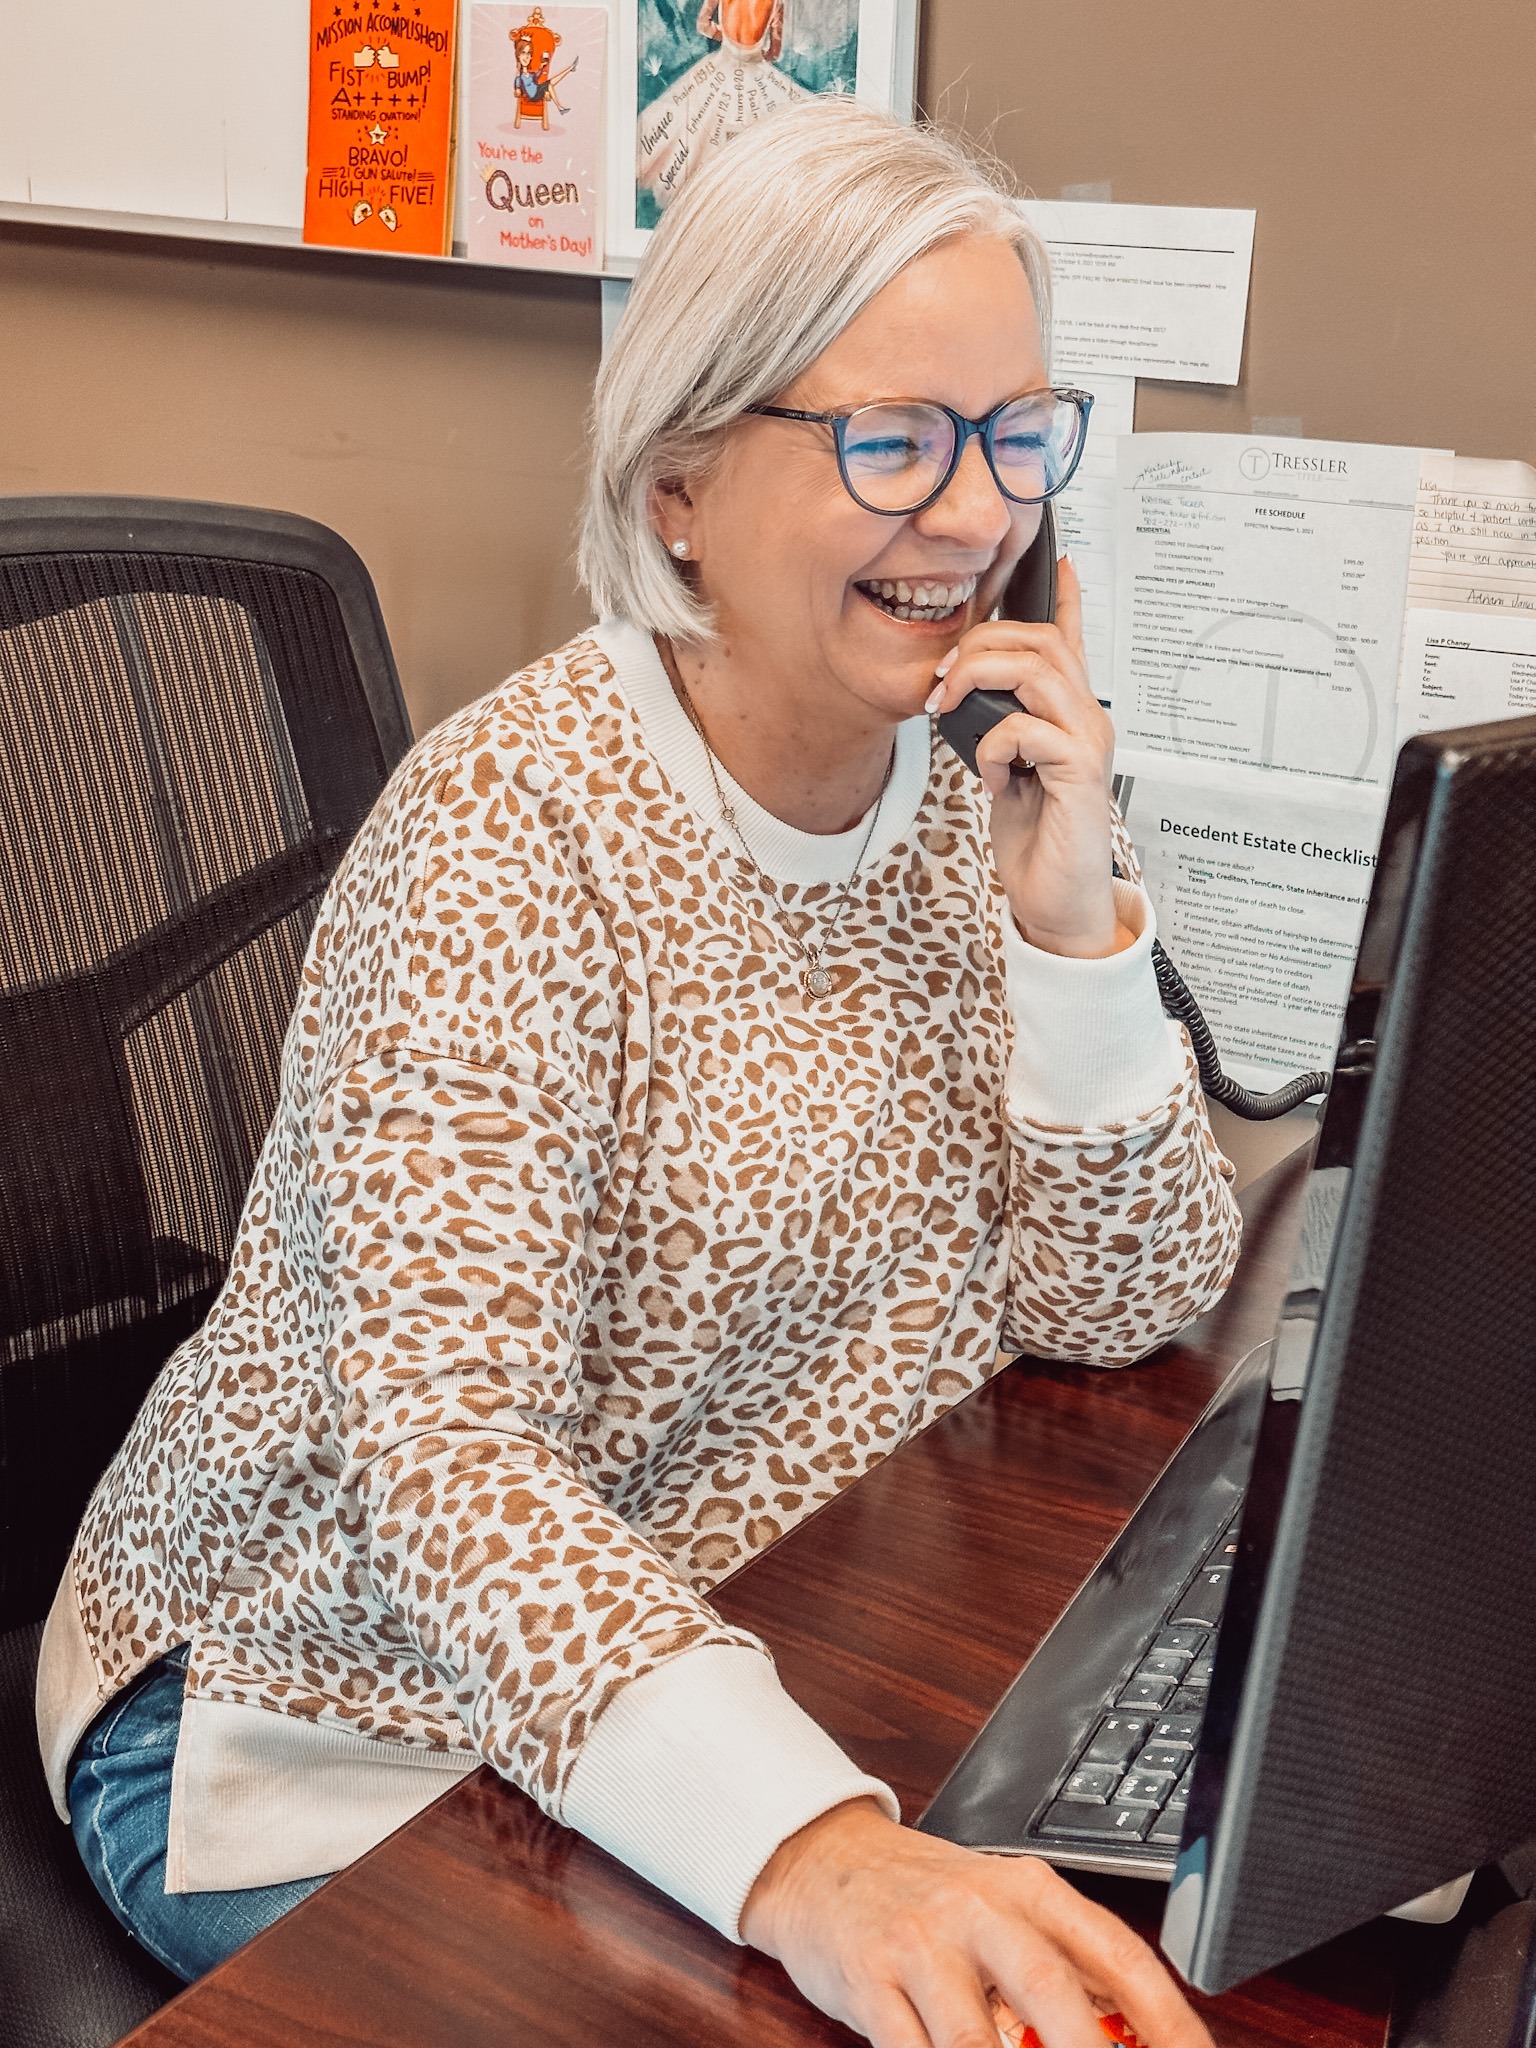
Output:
[[964, 429]]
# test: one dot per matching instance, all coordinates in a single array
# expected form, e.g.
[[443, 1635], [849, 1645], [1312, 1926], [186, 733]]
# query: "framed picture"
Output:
[[689, 74]]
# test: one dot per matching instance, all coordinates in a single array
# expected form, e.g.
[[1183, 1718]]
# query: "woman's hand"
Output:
[[1050, 830], [904, 1938]]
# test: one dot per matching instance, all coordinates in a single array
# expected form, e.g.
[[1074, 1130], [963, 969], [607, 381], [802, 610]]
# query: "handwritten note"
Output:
[[1474, 536]]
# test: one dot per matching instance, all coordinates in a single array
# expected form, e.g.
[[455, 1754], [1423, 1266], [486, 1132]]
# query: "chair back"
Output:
[[198, 708]]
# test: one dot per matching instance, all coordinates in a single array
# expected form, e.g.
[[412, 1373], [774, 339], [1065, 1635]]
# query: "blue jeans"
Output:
[[120, 1812]]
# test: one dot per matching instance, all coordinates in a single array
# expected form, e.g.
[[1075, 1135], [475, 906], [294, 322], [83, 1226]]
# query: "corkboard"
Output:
[[1389, 147], [436, 418]]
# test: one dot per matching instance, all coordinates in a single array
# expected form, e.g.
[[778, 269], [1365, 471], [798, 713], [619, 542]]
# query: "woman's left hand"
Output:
[[1050, 829]]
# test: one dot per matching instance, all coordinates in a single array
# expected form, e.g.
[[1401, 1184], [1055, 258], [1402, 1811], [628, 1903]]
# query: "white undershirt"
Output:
[[782, 851]]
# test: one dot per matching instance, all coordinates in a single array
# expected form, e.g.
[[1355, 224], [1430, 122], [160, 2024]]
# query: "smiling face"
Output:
[[808, 588]]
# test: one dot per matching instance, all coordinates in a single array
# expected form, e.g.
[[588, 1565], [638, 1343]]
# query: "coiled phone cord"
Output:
[[1179, 1003]]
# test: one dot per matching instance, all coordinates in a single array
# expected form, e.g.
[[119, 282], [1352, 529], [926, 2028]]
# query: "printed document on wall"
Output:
[[1085, 520], [1260, 883], [1463, 668], [1150, 291], [1260, 594]]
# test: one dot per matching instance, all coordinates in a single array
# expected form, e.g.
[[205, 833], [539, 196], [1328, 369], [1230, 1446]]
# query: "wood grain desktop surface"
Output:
[[898, 1614]]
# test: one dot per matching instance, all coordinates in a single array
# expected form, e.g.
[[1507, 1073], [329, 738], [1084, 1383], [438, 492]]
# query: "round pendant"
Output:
[[818, 982]]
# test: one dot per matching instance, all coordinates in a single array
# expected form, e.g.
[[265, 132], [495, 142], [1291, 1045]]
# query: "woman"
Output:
[[697, 1075]]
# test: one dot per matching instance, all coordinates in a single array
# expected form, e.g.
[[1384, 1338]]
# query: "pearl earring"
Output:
[[680, 548]]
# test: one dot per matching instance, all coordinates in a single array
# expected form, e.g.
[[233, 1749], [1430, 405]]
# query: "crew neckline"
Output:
[[780, 850]]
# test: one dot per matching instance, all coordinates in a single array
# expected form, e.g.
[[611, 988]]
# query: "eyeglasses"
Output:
[[898, 456]]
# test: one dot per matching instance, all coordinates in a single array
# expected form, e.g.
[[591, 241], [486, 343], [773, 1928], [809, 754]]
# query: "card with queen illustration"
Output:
[[531, 154]]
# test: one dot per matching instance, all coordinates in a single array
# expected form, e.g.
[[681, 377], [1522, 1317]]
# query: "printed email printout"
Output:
[[1149, 291]]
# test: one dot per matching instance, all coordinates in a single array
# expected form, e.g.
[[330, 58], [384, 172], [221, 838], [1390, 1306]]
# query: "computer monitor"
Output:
[[1371, 1728]]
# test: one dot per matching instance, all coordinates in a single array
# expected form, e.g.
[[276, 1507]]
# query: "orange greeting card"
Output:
[[380, 126]]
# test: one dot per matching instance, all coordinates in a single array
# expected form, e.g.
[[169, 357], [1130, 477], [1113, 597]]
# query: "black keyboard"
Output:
[[1086, 1759], [1129, 1781]]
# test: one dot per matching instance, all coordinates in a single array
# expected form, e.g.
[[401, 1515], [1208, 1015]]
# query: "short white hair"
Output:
[[758, 265]]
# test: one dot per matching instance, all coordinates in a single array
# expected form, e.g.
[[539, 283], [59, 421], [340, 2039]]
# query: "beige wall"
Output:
[[435, 419], [1389, 147]]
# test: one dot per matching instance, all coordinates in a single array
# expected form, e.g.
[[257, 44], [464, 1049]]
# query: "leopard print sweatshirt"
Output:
[[586, 1255]]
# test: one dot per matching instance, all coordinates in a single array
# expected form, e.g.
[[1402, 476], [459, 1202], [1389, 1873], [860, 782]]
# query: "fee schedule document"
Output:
[[1261, 586]]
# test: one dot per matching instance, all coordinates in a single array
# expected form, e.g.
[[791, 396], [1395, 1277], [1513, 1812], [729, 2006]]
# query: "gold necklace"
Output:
[[815, 979]]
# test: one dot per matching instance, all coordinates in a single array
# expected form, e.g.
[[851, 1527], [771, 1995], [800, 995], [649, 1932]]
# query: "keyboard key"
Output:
[[1096, 1823], [1167, 1830], [1202, 1604], [1146, 1692], [1179, 1731], [1178, 1798], [1163, 1664], [1145, 1788], [1224, 1556], [1117, 1740], [1189, 1699], [1190, 1640], [1199, 1673], [1165, 1757], [1092, 1784]]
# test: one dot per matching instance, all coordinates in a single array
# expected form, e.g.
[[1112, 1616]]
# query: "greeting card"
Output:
[[380, 126], [532, 153]]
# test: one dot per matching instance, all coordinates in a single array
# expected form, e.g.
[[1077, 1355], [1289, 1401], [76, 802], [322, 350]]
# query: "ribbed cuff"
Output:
[[698, 1770], [1092, 1047]]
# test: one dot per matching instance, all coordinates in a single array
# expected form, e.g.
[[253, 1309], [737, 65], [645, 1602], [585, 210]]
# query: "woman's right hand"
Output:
[[904, 1938]]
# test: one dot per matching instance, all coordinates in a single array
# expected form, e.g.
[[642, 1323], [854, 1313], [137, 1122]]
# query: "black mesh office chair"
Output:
[[198, 707]]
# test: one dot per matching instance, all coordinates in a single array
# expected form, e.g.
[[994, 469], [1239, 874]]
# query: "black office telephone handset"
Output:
[[1031, 594]]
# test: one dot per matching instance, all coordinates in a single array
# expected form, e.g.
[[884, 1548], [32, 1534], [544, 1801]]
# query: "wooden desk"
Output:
[[898, 1615]]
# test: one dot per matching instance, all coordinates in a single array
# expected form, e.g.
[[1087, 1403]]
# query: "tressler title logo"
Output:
[[1256, 464]]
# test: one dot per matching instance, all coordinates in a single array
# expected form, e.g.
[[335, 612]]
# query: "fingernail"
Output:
[[1066, 556], [946, 664], [935, 697]]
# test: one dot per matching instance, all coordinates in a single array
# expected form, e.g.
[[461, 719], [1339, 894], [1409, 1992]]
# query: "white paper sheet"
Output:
[[1260, 882], [1149, 291], [18, 88], [1461, 669], [1085, 520], [1260, 594], [1474, 536], [124, 106], [192, 109], [265, 99]]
